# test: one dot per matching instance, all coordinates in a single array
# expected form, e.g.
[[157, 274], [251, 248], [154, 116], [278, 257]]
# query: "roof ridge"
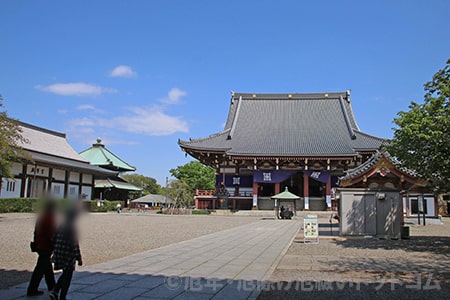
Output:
[[375, 158], [236, 115], [398, 164], [41, 129], [206, 138], [292, 93], [347, 118], [369, 135], [104, 148], [58, 156]]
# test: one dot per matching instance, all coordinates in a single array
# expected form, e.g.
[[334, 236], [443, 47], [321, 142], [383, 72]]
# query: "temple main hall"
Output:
[[304, 142]]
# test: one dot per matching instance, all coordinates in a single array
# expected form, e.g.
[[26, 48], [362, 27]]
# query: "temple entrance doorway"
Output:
[[294, 184]]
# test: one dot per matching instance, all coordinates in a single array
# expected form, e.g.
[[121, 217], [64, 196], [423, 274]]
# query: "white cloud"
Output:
[[82, 122], [174, 96], [121, 128], [123, 71], [86, 107], [152, 121], [76, 89], [89, 107]]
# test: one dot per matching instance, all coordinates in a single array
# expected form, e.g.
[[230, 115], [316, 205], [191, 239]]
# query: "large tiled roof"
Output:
[[46, 141], [320, 124], [99, 155]]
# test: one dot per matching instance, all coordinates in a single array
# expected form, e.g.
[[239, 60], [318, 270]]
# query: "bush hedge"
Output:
[[200, 212], [9, 205], [107, 206], [26, 205]]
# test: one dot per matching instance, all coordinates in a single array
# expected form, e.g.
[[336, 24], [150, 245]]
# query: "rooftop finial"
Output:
[[99, 143]]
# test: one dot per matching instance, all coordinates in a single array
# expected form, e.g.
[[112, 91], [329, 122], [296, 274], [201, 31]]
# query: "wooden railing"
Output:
[[215, 193], [205, 193]]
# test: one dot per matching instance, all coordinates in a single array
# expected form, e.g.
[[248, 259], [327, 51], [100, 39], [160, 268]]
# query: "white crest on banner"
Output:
[[315, 175]]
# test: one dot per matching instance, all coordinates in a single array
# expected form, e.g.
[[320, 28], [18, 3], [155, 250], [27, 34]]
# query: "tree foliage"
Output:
[[180, 193], [195, 175], [149, 184], [10, 136], [422, 137]]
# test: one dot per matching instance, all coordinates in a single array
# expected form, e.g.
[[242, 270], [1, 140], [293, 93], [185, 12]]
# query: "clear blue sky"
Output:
[[141, 74]]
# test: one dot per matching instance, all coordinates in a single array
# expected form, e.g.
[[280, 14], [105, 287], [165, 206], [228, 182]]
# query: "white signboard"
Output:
[[311, 229]]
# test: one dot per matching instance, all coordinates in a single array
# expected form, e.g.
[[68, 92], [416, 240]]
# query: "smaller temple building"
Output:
[[49, 165], [109, 187], [382, 172]]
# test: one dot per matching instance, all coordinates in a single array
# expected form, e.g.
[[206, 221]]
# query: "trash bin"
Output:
[[404, 233]]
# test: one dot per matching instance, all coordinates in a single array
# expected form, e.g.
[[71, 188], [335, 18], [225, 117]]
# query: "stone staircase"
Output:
[[269, 213], [255, 213]]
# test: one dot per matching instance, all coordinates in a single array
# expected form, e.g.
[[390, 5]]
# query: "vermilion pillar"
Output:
[[328, 192], [306, 190], [277, 188]]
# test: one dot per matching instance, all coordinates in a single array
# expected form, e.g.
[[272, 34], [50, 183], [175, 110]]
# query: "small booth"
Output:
[[371, 197]]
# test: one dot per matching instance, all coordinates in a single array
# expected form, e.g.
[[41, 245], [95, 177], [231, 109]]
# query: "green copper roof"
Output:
[[98, 155], [121, 185], [286, 195]]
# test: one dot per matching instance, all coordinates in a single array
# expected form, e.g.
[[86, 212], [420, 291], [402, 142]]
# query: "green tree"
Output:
[[180, 193], [148, 184], [196, 175], [10, 136], [422, 137]]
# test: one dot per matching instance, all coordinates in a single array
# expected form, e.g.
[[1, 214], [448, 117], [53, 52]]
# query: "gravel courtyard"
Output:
[[104, 237], [358, 268]]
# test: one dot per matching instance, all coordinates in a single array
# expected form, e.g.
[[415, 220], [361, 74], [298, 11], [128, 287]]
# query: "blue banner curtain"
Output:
[[321, 176], [272, 176]]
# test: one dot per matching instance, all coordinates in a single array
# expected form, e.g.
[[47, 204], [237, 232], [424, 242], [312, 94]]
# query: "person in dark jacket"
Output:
[[66, 253], [43, 244]]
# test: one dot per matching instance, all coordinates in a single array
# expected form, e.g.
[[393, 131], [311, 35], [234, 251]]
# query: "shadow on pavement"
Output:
[[13, 277], [328, 229], [432, 244], [110, 285]]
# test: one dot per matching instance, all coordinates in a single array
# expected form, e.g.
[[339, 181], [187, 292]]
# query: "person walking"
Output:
[[44, 231], [66, 253]]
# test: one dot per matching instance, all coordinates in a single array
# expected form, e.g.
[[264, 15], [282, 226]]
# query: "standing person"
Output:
[[118, 208], [66, 253], [43, 244], [282, 209]]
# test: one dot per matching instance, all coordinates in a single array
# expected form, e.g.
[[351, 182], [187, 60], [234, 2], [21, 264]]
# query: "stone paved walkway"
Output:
[[224, 265]]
